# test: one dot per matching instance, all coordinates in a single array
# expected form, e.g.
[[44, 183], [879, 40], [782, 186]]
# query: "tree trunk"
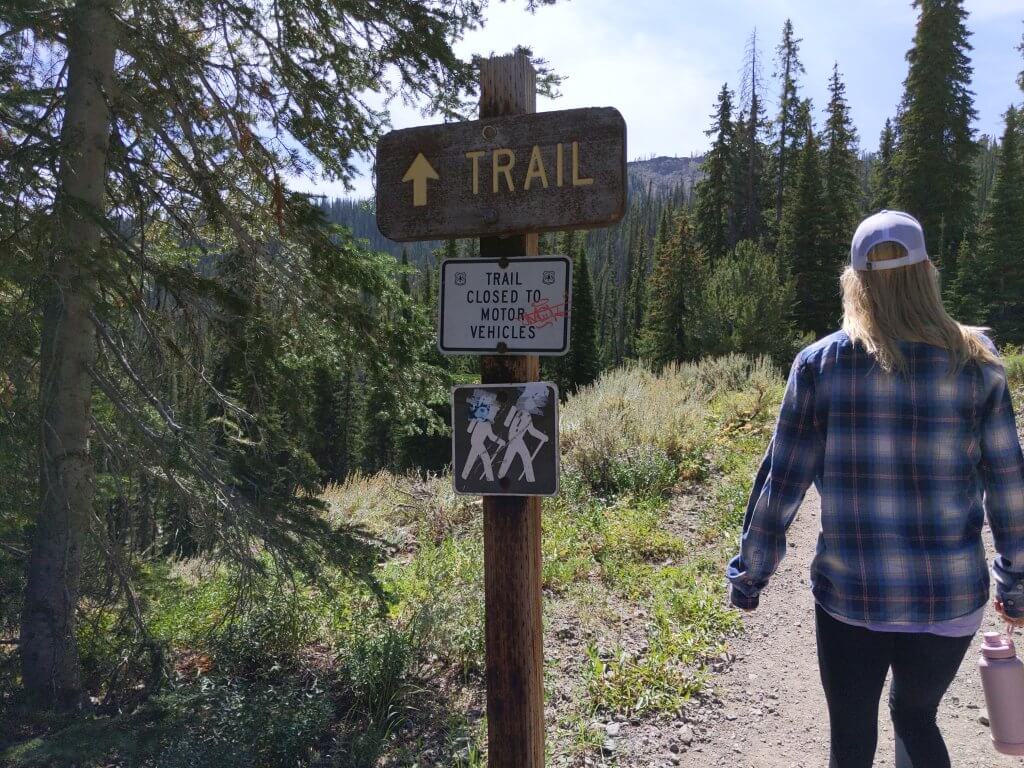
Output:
[[49, 652]]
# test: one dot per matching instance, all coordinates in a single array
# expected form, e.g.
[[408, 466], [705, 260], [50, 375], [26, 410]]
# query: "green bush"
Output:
[[642, 471], [615, 433], [1015, 370], [377, 667], [749, 305], [235, 723], [653, 682], [573, 529], [269, 633], [440, 593]]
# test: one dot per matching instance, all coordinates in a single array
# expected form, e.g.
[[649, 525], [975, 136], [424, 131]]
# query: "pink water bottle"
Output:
[[1002, 678]]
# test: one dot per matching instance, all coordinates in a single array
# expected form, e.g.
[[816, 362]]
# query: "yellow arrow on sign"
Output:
[[418, 173]]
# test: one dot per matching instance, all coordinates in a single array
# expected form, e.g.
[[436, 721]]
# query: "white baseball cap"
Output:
[[888, 227]]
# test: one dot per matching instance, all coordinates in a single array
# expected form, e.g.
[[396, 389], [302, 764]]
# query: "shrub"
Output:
[[749, 306], [235, 723], [372, 500], [643, 471], [613, 431], [377, 664], [270, 631], [441, 596], [377, 667], [1015, 371], [573, 529], [655, 681]]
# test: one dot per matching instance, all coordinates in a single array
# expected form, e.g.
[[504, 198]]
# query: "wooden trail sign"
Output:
[[504, 178], [503, 175]]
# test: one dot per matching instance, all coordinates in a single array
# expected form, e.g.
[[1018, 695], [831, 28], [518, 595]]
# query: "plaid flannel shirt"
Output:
[[906, 468]]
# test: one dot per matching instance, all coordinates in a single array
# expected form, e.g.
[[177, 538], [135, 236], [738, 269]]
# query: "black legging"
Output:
[[854, 663]]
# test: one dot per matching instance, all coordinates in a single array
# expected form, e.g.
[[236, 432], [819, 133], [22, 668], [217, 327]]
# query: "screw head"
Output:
[[502, 348], [490, 215], [489, 132]]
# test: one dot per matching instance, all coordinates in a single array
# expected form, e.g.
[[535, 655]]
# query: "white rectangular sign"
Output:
[[505, 306]]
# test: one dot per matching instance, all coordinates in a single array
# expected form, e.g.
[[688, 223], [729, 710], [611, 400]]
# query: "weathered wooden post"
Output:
[[504, 178], [512, 559]]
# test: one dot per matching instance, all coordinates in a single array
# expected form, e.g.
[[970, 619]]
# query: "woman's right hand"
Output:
[[1018, 622]]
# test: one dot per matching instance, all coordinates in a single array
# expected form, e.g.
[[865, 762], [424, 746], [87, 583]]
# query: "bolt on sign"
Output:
[[517, 306], [505, 439], [505, 175]]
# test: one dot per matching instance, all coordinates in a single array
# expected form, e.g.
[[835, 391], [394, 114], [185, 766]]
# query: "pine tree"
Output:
[[985, 174], [670, 329], [404, 282], [935, 160], [584, 358], [842, 180], [191, 115], [747, 306], [1020, 77], [970, 294], [380, 449], [714, 220], [427, 297], [883, 174], [351, 416], [605, 309], [557, 368], [338, 414], [789, 68], [1001, 247], [636, 299], [802, 237], [750, 180]]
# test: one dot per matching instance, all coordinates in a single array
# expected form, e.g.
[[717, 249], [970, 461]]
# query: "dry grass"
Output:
[[633, 407], [404, 509], [370, 500]]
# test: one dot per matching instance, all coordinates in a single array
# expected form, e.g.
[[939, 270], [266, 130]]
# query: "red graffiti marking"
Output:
[[544, 314]]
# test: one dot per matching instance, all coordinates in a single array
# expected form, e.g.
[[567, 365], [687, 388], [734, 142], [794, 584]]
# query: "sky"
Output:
[[662, 62]]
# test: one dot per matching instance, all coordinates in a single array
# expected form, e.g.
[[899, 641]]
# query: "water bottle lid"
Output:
[[998, 646]]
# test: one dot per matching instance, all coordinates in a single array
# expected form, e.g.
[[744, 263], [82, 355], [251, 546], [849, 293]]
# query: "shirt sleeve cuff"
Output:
[[1009, 588], [745, 590]]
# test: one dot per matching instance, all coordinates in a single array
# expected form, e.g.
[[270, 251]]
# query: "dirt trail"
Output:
[[773, 711]]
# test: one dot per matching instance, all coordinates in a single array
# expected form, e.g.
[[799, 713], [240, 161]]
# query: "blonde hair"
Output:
[[881, 307]]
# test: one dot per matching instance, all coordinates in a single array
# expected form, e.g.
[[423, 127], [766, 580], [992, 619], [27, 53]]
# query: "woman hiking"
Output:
[[904, 423]]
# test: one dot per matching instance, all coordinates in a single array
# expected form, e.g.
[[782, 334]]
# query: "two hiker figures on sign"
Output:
[[518, 422]]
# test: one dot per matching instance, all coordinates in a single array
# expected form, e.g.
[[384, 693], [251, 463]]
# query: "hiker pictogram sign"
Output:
[[505, 439], [517, 306], [503, 175]]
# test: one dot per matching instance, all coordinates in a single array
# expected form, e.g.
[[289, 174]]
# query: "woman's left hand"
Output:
[[1018, 622]]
